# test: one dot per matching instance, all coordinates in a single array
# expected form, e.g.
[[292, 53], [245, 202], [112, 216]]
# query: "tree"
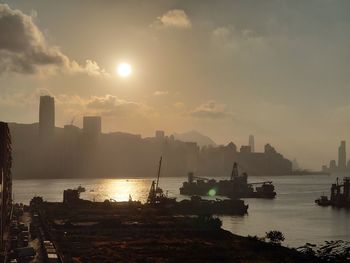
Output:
[[275, 237]]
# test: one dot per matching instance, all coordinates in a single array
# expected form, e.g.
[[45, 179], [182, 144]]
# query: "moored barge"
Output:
[[236, 187]]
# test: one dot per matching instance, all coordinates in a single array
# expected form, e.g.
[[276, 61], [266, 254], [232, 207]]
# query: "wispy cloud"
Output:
[[113, 106], [161, 93], [210, 110], [174, 18]]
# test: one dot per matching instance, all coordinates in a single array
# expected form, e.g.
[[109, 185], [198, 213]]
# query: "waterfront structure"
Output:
[[46, 117]]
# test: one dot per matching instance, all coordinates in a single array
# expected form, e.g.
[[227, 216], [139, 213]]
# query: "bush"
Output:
[[275, 237]]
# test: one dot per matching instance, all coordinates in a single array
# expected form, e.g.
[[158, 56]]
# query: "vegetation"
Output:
[[275, 237]]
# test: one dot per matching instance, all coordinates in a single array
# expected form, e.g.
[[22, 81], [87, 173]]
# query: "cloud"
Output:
[[23, 48], [231, 38], [113, 106], [161, 93], [174, 18], [210, 110]]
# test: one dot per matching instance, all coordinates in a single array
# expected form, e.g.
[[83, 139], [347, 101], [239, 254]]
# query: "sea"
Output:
[[293, 211]]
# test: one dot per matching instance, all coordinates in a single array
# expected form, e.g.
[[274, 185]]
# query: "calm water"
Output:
[[293, 211]]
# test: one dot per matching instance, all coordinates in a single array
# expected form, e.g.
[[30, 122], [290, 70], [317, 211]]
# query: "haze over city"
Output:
[[281, 74], [174, 131]]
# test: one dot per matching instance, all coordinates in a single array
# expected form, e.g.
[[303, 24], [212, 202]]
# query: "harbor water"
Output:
[[293, 211]]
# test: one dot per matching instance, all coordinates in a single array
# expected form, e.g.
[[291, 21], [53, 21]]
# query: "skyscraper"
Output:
[[46, 116], [251, 143], [342, 155]]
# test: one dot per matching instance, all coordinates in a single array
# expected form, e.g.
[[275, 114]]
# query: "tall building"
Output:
[[252, 143], [342, 155], [46, 116], [92, 125]]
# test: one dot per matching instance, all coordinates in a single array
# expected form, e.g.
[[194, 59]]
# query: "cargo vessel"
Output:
[[340, 195], [236, 187]]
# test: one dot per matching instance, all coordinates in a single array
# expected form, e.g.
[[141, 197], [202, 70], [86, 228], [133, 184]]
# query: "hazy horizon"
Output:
[[276, 69]]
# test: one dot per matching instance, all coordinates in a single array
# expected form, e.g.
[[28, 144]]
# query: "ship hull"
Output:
[[224, 189]]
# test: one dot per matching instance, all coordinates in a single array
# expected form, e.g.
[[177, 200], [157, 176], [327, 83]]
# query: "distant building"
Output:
[[342, 155], [252, 143], [332, 165], [160, 134], [245, 149], [324, 168], [46, 116], [92, 125], [269, 149]]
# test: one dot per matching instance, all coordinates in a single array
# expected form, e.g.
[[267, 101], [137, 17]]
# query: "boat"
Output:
[[236, 187], [340, 195], [195, 206], [323, 201]]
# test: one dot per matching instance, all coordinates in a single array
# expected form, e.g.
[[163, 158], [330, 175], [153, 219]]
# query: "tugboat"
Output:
[[323, 201], [340, 195], [195, 206], [236, 187]]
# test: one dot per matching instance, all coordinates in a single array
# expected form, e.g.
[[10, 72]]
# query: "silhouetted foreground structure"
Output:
[[129, 232], [6, 189], [340, 195]]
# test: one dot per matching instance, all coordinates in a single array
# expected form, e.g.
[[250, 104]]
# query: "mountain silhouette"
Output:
[[194, 136]]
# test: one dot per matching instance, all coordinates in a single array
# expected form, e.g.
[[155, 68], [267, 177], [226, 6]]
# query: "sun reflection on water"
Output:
[[119, 190]]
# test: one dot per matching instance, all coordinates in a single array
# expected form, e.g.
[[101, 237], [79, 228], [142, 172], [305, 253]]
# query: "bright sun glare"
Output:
[[124, 70]]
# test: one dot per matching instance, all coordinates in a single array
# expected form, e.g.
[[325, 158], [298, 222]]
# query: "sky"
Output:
[[277, 69]]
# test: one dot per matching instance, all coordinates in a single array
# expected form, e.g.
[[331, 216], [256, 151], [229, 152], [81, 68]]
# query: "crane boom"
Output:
[[159, 167]]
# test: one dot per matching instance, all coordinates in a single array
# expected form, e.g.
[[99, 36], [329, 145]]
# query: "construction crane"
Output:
[[154, 186], [234, 172], [156, 195]]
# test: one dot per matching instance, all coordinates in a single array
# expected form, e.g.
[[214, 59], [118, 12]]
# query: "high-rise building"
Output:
[[252, 143], [92, 125], [46, 116], [342, 155]]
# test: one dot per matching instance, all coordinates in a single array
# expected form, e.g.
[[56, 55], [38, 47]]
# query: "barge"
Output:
[[236, 187]]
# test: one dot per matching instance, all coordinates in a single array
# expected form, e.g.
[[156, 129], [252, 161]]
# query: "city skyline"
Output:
[[179, 66]]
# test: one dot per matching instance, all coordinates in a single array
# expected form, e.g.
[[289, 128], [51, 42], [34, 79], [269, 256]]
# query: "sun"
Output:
[[124, 70]]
